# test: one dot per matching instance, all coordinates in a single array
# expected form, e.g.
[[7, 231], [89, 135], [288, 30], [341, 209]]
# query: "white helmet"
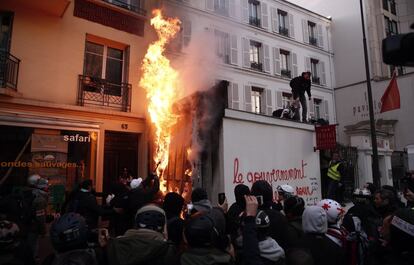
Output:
[[285, 189], [33, 179], [334, 210]]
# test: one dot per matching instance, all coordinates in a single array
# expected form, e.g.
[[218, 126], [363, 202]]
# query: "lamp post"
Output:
[[375, 166]]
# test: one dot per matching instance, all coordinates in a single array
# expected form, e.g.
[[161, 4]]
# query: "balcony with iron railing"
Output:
[[313, 41], [315, 80], [284, 31], [9, 70], [95, 91], [122, 4], [254, 21], [285, 73], [256, 66]]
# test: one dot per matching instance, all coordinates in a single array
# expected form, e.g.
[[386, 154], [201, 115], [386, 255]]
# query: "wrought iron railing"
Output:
[[285, 73], [284, 31], [313, 41], [255, 21], [9, 70], [315, 80], [127, 6], [256, 66], [101, 92]]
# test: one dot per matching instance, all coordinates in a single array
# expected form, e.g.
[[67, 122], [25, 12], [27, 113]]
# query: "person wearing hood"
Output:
[[233, 214], [147, 243], [315, 225], [173, 206], [201, 235], [200, 200], [278, 222], [293, 208]]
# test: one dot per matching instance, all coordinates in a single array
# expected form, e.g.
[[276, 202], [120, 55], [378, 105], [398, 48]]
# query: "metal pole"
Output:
[[375, 167]]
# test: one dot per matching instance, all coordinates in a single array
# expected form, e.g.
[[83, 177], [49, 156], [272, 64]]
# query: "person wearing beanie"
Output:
[[200, 200], [146, 243], [315, 225], [173, 206], [293, 208], [278, 223], [201, 235]]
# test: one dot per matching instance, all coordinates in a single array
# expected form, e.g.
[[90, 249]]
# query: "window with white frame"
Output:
[[133, 5], [222, 45], [104, 62], [255, 50], [283, 22], [312, 33], [256, 98], [254, 13], [317, 109], [390, 6], [286, 98], [285, 63]]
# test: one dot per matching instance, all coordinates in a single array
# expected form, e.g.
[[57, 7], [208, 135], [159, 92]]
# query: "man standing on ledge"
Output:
[[299, 85]]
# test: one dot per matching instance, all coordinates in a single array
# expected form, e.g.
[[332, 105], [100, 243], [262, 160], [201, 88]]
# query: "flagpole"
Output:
[[375, 164]]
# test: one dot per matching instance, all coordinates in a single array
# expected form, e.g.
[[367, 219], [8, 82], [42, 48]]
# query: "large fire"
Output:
[[160, 80]]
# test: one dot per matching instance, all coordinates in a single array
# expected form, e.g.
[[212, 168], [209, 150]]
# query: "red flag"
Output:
[[391, 98]]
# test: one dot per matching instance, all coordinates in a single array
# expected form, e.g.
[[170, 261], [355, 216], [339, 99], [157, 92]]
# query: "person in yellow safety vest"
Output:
[[335, 173]]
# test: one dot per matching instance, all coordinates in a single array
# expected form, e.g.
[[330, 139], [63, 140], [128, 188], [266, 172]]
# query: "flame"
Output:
[[160, 80]]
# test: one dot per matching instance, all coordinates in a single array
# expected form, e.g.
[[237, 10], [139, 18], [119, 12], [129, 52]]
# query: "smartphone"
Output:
[[221, 198], [259, 200]]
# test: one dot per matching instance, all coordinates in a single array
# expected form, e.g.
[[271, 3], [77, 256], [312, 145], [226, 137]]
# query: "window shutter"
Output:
[[294, 65], [276, 60], [245, 11], [311, 108], [275, 20], [233, 50], [246, 53], [323, 74], [186, 32], [235, 96], [307, 64], [325, 102], [248, 98], [269, 107], [266, 58], [291, 26], [229, 96], [126, 64], [305, 31], [320, 36], [263, 102], [265, 15], [232, 8], [210, 5], [279, 101]]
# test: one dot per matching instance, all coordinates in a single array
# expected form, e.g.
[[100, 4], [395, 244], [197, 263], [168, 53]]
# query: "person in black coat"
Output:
[[300, 85], [233, 214], [315, 225], [84, 203], [278, 223], [173, 206]]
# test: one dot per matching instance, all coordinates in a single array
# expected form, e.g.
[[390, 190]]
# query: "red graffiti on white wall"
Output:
[[271, 176]]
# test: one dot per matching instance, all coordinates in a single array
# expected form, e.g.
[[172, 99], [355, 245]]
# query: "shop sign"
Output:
[[48, 143]]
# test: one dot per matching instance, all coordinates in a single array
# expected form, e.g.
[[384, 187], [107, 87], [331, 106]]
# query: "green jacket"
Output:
[[141, 247], [205, 256]]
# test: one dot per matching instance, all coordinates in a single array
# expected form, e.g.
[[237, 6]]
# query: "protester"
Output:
[[146, 243], [13, 250], [84, 203], [233, 215], [200, 201], [283, 192], [173, 206], [300, 85], [385, 202], [315, 225], [336, 171], [293, 208], [334, 213], [201, 235], [69, 237], [278, 222]]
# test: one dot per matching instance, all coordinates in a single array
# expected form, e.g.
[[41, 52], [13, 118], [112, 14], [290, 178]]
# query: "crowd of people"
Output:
[[261, 227]]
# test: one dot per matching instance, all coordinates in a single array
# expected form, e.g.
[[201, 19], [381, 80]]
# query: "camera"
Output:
[[398, 49]]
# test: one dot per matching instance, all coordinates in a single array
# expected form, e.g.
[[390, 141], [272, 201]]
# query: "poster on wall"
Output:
[[276, 154]]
